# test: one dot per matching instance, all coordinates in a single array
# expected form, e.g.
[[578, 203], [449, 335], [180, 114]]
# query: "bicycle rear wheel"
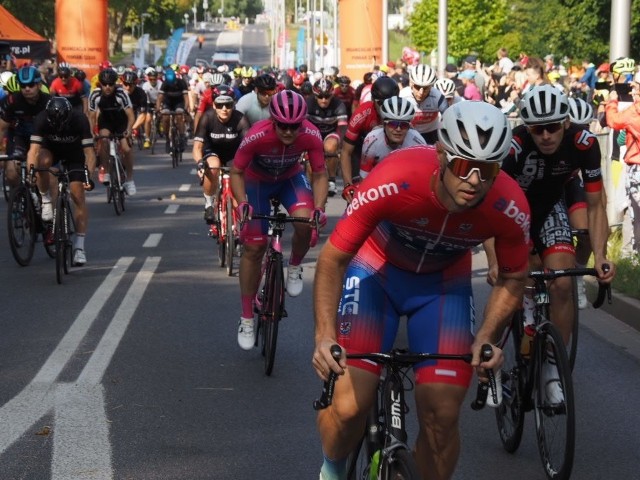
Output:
[[117, 191], [21, 225], [222, 232], [60, 236], [510, 414], [399, 465], [229, 237], [554, 407], [271, 312], [174, 148]]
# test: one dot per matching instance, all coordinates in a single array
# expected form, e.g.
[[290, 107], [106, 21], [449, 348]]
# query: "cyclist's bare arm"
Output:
[[32, 155], [599, 235], [320, 186], [327, 289], [90, 158], [345, 162], [505, 298], [492, 260], [237, 184]]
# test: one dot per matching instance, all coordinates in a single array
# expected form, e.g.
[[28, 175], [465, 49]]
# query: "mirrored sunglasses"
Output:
[[463, 168]]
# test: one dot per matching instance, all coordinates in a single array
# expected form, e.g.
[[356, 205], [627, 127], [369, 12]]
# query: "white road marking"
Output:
[[152, 240], [171, 209], [81, 446], [185, 187]]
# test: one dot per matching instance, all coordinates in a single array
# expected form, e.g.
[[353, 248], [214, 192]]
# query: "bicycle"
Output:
[[382, 452], [153, 132], [269, 301], [524, 387], [227, 221], [139, 137], [24, 223], [115, 189], [174, 142]]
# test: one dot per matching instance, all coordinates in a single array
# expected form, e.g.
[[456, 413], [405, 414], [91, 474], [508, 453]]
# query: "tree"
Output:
[[38, 16]]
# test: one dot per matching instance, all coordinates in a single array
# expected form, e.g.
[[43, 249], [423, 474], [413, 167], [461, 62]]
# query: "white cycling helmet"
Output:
[[207, 78], [475, 131], [544, 104], [422, 75], [580, 112], [217, 79], [396, 108], [4, 78], [446, 86]]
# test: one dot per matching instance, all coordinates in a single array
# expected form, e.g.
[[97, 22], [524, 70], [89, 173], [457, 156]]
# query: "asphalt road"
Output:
[[130, 369]]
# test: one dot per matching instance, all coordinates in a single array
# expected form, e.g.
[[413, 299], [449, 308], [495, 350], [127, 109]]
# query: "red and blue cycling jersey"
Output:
[[412, 230], [263, 156]]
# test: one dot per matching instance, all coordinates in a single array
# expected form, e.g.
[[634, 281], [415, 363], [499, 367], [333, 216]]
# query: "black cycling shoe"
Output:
[[209, 215]]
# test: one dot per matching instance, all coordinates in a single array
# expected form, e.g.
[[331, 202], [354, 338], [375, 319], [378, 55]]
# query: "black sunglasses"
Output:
[[549, 127], [108, 84], [288, 126], [324, 96], [220, 106], [28, 85]]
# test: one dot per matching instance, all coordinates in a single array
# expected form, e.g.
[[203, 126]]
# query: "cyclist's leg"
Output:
[[127, 153], [210, 186], [331, 150], [80, 211], [366, 323], [296, 196], [254, 238], [46, 183], [440, 319], [556, 244]]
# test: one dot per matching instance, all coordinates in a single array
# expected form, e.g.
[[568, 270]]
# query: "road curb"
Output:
[[624, 308]]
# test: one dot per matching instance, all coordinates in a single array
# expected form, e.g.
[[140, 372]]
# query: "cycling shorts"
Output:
[[117, 126], [73, 159], [294, 193], [173, 106], [555, 234], [439, 310]]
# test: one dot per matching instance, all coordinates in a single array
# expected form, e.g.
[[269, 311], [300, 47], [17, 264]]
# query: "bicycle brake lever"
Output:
[[326, 398]]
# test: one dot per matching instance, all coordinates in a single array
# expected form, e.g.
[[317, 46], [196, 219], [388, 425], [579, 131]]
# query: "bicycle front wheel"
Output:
[[21, 225], [229, 238], [399, 465], [510, 413], [572, 345], [554, 404], [60, 235], [273, 305]]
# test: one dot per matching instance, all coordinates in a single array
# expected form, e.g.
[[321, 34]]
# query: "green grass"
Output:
[[627, 269]]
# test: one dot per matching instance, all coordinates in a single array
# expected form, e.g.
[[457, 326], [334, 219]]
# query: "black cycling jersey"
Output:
[[223, 139], [112, 107], [543, 177], [326, 119], [175, 91], [19, 113], [139, 100], [67, 144]]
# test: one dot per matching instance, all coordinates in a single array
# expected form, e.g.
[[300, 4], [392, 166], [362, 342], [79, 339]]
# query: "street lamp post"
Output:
[[194, 10], [186, 22]]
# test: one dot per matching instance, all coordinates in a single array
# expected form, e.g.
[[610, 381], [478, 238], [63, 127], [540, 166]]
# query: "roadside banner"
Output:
[[361, 46], [82, 33], [157, 53], [184, 49], [301, 47], [172, 46]]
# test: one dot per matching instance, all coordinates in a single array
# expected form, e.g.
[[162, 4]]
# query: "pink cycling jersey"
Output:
[[413, 231], [263, 156]]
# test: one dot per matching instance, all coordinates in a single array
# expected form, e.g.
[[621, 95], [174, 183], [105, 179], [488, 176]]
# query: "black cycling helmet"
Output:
[[58, 112], [80, 75], [383, 88], [108, 75], [265, 82], [323, 87], [64, 72], [344, 80], [306, 88], [130, 77], [27, 75], [223, 94]]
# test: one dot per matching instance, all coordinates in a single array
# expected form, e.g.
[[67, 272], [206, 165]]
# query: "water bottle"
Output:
[[374, 465]]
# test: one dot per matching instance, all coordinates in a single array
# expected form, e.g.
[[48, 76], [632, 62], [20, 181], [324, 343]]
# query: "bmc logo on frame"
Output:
[[371, 195]]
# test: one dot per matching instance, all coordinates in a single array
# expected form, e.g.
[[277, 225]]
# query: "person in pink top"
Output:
[[471, 90], [268, 163], [404, 248]]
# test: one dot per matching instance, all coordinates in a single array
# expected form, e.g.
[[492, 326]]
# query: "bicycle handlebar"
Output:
[[7, 158], [405, 359], [604, 290]]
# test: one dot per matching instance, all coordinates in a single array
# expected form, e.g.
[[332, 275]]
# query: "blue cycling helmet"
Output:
[[27, 75], [170, 76]]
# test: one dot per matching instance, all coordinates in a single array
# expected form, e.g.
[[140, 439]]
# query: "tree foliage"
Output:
[[574, 28]]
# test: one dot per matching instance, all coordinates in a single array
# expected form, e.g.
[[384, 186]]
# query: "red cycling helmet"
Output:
[[288, 107], [105, 64]]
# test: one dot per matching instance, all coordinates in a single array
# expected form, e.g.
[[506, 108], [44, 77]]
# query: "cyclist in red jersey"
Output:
[[346, 93], [68, 86], [267, 164], [404, 248], [361, 123]]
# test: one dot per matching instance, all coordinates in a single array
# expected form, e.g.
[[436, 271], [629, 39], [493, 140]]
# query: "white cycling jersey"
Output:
[[376, 147], [427, 111], [151, 91]]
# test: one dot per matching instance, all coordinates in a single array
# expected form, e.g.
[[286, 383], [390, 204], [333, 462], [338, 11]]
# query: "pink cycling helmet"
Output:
[[288, 107]]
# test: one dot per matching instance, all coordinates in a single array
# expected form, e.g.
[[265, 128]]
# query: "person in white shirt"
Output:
[[395, 132]]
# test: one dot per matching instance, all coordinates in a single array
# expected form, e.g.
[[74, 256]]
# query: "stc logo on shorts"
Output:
[[512, 211], [371, 195], [584, 140], [350, 300]]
